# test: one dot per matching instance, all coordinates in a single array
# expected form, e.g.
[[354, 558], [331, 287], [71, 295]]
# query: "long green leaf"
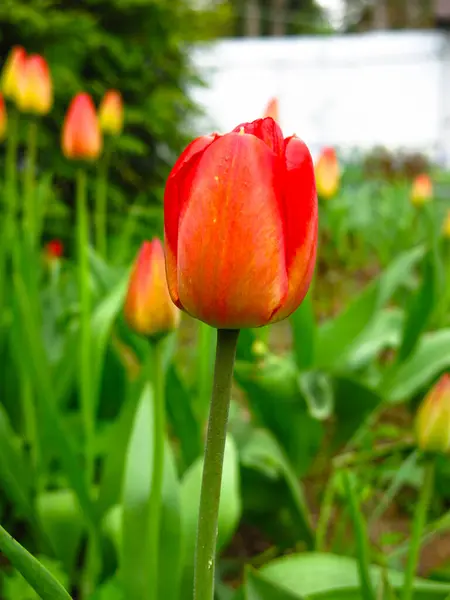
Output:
[[31, 569], [304, 334]]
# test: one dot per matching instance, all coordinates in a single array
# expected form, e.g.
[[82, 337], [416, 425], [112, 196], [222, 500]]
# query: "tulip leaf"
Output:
[[304, 334], [258, 588]]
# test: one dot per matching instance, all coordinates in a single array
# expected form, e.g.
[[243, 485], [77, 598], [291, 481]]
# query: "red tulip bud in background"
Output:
[[3, 119], [327, 173], [54, 249], [12, 72], [272, 109], [110, 113], [433, 418], [81, 136], [421, 190], [240, 216], [148, 307], [35, 93]]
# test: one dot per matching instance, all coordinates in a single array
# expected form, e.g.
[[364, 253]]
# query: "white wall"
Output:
[[353, 91]]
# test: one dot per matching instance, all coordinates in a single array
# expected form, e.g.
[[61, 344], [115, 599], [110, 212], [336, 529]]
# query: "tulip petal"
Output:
[[182, 172], [266, 130], [231, 260], [300, 225]]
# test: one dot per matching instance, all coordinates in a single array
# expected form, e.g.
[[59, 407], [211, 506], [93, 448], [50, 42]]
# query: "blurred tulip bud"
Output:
[[110, 113], [35, 93], [327, 173], [272, 109], [148, 308], [81, 135], [446, 228], [3, 119], [259, 348], [54, 249], [421, 190], [433, 418], [240, 219], [12, 72]]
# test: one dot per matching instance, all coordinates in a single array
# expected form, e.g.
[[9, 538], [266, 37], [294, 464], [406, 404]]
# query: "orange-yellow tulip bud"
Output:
[[35, 93], [3, 118], [327, 173], [240, 219], [12, 72], [148, 307], [446, 228], [433, 418], [81, 135], [272, 109], [110, 113], [421, 190]]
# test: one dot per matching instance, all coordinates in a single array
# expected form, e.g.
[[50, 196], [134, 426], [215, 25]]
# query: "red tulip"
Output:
[[12, 72], [81, 136], [148, 307], [110, 113], [433, 418], [35, 93], [421, 190], [54, 249], [240, 214], [3, 118]]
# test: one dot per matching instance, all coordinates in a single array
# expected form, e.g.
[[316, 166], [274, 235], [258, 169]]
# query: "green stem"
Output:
[[101, 198], [41, 580], [85, 330], [325, 513], [157, 379], [205, 345], [29, 181], [419, 522], [12, 143], [213, 464]]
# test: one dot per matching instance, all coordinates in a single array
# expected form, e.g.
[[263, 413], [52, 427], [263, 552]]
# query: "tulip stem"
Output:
[[213, 464], [418, 525], [12, 143], [205, 356], [156, 376], [85, 333], [101, 203], [29, 179]]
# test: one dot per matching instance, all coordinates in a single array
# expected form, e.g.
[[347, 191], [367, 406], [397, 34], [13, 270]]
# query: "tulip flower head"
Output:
[[272, 109], [12, 72], [81, 135], [54, 249], [446, 228], [35, 92], [433, 418], [148, 309], [421, 190], [110, 113], [3, 118], [327, 173], [240, 218]]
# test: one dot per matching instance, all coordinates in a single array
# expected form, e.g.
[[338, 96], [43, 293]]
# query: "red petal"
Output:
[[231, 263], [182, 171], [301, 221], [266, 130]]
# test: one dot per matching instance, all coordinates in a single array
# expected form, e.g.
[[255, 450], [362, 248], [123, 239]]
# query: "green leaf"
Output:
[[262, 452], [317, 390], [31, 569], [229, 509], [136, 496], [62, 521], [431, 356], [259, 588], [304, 334]]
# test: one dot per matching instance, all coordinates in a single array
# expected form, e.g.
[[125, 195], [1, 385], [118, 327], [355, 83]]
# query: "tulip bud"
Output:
[[110, 113], [421, 190], [54, 250], [240, 219], [3, 119], [272, 109], [35, 93], [81, 136], [12, 72], [327, 173], [446, 228], [433, 418], [148, 307]]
